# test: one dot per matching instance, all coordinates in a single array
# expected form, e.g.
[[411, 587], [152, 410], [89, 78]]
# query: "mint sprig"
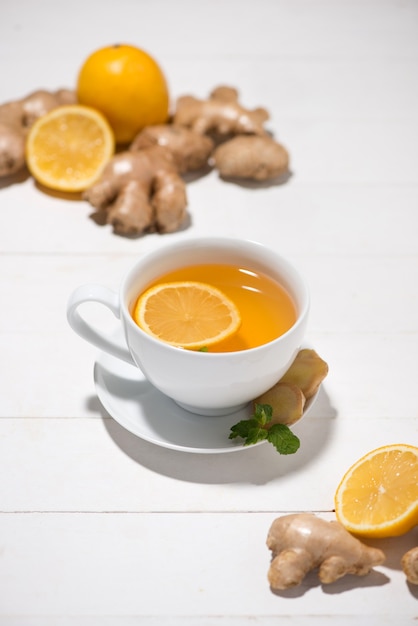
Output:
[[258, 428]]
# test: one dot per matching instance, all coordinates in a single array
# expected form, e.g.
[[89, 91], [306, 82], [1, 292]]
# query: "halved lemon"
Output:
[[187, 314], [378, 495], [67, 148]]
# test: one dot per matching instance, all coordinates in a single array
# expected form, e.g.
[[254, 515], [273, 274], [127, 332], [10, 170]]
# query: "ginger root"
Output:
[[246, 150], [190, 151], [410, 565], [251, 156], [17, 117], [220, 114], [307, 371], [302, 542], [140, 191], [300, 383], [287, 402]]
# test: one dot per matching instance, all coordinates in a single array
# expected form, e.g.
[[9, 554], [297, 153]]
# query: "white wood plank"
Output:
[[362, 293], [312, 218], [100, 527], [51, 374], [370, 378], [29, 360], [301, 29], [198, 620], [170, 566], [96, 465]]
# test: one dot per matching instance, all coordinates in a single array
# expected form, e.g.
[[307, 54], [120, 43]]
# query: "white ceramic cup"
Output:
[[206, 383]]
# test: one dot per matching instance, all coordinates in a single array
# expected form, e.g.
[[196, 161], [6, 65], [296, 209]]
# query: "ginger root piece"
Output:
[[12, 149], [287, 402], [302, 542], [247, 150], [190, 150], [409, 563], [251, 156], [307, 371], [17, 117], [220, 114], [288, 396], [140, 191]]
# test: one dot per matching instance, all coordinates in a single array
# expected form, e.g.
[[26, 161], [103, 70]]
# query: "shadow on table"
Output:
[[254, 465], [347, 583]]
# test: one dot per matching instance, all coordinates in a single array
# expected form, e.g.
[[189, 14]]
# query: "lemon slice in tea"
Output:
[[187, 314]]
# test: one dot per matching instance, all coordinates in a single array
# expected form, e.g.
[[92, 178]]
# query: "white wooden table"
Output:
[[99, 527]]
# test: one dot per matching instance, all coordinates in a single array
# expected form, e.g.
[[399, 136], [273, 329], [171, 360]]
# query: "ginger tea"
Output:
[[266, 308]]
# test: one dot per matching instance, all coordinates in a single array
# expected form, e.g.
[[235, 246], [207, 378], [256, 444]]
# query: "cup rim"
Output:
[[214, 241]]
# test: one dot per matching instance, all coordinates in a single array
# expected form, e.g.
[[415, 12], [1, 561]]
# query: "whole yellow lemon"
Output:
[[128, 86]]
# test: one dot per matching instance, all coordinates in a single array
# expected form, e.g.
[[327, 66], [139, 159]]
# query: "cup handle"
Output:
[[110, 299]]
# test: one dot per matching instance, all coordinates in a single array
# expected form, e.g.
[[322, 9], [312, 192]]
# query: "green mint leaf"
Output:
[[257, 429], [263, 413], [242, 428], [282, 438], [255, 435]]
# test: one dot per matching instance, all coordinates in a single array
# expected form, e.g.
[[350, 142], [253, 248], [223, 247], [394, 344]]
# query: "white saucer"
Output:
[[147, 413]]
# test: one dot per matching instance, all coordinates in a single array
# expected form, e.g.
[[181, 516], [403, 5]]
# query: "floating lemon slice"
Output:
[[187, 314], [67, 148], [378, 495]]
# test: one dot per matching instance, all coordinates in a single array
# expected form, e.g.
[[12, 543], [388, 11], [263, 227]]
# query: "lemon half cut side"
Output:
[[378, 495], [68, 148]]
